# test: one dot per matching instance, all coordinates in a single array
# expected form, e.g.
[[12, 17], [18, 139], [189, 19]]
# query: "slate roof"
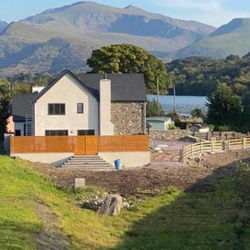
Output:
[[21, 106], [124, 87]]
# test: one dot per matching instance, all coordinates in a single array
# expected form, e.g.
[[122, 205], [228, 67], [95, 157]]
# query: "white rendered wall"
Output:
[[67, 91], [106, 126], [55, 159], [128, 159]]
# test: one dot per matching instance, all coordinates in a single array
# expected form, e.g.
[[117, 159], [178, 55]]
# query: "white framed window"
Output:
[[80, 108]]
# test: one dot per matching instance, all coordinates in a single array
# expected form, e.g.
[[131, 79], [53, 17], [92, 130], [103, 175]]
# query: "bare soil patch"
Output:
[[50, 238], [150, 181]]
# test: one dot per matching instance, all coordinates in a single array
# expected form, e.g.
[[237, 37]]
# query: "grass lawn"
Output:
[[217, 219]]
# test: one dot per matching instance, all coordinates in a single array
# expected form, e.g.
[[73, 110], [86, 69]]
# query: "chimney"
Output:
[[106, 126]]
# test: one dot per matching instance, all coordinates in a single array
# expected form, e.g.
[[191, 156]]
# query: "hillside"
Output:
[[36, 214], [232, 38], [3, 26], [201, 75], [64, 37]]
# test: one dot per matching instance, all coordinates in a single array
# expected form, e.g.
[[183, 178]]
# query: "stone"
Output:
[[128, 117], [112, 205], [169, 134], [79, 183]]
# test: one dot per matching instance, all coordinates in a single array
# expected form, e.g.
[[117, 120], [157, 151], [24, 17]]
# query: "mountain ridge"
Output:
[[3, 26], [64, 37], [29, 45], [231, 38]]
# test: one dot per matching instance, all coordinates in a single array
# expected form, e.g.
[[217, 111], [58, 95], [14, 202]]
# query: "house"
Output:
[[159, 123], [83, 104]]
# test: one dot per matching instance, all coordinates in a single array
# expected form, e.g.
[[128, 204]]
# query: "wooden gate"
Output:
[[86, 145]]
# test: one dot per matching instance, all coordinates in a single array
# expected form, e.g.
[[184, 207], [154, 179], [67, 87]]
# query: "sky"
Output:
[[213, 12]]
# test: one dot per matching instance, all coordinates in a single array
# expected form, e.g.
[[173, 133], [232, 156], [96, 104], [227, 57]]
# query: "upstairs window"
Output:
[[80, 108], [56, 109]]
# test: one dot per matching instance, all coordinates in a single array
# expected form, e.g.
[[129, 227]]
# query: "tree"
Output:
[[196, 113], [126, 58], [224, 107], [154, 109], [4, 105]]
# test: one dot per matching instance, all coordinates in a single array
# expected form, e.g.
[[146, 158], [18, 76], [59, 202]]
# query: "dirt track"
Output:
[[145, 181]]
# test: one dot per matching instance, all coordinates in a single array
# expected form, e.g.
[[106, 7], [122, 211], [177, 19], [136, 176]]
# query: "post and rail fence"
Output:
[[213, 146]]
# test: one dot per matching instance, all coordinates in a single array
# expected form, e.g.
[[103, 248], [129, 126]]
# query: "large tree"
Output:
[[126, 58], [4, 105], [224, 107]]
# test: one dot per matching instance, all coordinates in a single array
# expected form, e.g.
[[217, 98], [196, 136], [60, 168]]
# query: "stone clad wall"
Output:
[[168, 135], [128, 117]]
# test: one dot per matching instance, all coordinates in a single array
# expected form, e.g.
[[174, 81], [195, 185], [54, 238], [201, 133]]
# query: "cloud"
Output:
[[203, 5], [213, 12]]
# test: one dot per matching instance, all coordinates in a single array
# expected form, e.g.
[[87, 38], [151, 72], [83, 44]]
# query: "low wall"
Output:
[[168, 134], [7, 143], [55, 159], [129, 159]]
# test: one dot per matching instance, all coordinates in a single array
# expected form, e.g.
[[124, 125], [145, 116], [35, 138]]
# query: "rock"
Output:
[[79, 183], [112, 205], [94, 203]]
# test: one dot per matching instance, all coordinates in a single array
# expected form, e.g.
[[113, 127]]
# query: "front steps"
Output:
[[87, 162]]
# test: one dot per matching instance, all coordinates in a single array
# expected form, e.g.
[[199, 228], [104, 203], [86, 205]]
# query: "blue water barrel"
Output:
[[118, 164]]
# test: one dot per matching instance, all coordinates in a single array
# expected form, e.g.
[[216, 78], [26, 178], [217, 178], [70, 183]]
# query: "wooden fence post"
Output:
[[183, 158], [244, 143], [191, 149], [212, 146], [201, 147]]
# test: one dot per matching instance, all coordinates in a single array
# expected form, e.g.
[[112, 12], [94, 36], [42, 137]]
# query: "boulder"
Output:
[[112, 205]]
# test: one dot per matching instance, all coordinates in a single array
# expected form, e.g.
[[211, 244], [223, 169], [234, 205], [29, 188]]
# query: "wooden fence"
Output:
[[81, 145], [228, 135], [214, 147]]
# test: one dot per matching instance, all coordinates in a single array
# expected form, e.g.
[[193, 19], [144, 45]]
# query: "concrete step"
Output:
[[89, 167], [89, 163], [86, 160], [93, 161], [92, 169], [86, 165], [86, 156]]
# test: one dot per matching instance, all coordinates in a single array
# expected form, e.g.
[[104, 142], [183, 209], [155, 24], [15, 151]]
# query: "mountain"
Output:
[[3, 26], [65, 36], [232, 38]]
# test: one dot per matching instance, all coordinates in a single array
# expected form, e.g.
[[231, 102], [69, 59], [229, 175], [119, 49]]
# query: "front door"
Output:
[[86, 145]]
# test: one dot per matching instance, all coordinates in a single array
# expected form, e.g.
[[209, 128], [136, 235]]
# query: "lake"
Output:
[[184, 104]]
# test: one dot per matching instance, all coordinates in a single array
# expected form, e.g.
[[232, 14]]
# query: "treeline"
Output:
[[200, 76], [22, 83]]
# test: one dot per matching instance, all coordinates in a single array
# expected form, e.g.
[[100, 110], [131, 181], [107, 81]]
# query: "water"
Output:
[[184, 104]]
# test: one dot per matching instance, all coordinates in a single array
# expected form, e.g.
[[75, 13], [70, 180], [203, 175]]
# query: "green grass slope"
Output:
[[230, 39], [214, 218]]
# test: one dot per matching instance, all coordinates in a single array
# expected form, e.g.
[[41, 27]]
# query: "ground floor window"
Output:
[[17, 132], [56, 132], [86, 132]]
